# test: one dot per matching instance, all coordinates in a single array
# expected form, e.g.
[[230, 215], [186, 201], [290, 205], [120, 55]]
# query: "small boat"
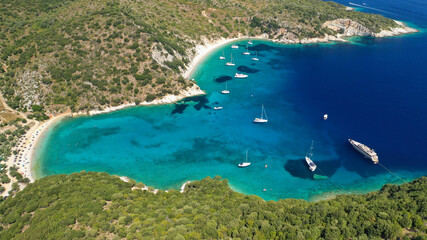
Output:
[[256, 57], [231, 63], [217, 108], [246, 163], [240, 75], [365, 150], [247, 51], [325, 116], [250, 43], [308, 157], [234, 46], [222, 57], [263, 118], [225, 91]]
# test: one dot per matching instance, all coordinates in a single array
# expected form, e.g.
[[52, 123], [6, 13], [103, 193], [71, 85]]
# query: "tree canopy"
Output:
[[97, 205]]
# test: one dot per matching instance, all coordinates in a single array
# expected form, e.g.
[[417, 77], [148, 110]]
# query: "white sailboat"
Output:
[[231, 63], [222, 57], [246, 163], [250, 43], [247, 51], [225, 91], [311, 165], [240, 75], [234, 46], [263, 118], [256, 57]]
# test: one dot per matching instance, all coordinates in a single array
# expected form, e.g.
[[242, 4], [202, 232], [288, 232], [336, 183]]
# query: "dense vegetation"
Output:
[[84, 54], [97, 205]]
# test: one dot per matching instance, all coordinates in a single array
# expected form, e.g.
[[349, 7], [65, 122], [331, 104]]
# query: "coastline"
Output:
[[201, 51]]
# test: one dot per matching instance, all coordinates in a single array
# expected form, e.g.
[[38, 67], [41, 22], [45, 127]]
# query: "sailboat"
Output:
[[240, 75], [246, 163], [247, 51], [308, 157], [234, 46], [225, 91], [231, 63], [222, 57], [263, 118], [250, 43], [256, 57]]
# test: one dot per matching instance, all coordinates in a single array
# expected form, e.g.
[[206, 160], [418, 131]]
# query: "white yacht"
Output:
[[240, 75], [325, 116], [225, 91], [308, 158], [231, 63], [217, 108], [365, 150], [263, 118], [234, 46], [246, 163], [250, 43]]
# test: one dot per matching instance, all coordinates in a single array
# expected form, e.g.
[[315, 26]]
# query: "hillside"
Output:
[[100, 206], [84, 55]]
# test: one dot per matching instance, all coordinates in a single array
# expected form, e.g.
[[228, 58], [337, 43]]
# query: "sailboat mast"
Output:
[[262, 111], [265, 113], [311, 148]]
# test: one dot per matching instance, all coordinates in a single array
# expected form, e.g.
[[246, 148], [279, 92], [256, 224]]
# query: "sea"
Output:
[[374, 91]]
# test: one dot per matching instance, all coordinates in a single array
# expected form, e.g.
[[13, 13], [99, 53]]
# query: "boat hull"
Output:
[[244, 164], [355, 146], [260, 120], [310, 164]]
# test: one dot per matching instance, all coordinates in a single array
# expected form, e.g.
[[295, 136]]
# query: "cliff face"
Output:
[[348, 28]]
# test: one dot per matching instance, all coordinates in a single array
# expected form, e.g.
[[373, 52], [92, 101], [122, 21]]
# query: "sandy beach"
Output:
[[202, 50]]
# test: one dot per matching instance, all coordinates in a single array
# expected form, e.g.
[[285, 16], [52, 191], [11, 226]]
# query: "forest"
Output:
[[89, 205]]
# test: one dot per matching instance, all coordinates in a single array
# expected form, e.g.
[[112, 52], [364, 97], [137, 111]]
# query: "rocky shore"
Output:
[[347, 28]]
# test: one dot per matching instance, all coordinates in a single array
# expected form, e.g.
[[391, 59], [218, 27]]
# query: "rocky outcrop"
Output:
[[29, 88], [400, 30], [347, 28]]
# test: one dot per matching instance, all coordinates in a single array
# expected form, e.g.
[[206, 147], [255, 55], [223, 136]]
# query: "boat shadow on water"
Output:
[[298, 168], [199, 102]]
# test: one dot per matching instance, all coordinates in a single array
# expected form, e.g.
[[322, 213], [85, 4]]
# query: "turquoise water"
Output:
[[373, 91]]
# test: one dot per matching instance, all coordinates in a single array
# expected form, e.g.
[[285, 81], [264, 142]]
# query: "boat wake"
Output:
[[363, 6]]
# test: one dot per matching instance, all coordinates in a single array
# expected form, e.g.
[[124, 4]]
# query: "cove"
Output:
[[373, 92]]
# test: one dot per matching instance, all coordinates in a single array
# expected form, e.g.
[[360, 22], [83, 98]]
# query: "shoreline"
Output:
[[201, 52], [40, 131]]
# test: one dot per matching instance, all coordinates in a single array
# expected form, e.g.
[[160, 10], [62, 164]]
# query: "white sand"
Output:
[[183, 186], [203, 50]]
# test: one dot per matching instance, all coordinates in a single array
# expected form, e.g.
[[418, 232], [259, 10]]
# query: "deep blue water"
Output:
[[374, 91]]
